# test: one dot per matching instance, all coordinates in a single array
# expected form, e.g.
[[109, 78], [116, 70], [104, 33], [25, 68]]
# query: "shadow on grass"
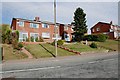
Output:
[[47, 50]]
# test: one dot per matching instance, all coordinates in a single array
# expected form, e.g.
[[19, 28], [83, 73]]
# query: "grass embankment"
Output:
[[82, 47], [109, 44], [38, 51], [12, 54]]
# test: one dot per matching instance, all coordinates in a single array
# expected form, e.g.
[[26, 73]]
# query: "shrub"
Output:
[[102, 37], [98, 37], [27, 39], [36, 39], [93, 45], [90, 37], [32, 39], [41, 39], [60, 42], [20, 45]]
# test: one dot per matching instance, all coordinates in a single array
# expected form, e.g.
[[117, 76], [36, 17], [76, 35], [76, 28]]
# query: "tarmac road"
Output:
[[95, 65]]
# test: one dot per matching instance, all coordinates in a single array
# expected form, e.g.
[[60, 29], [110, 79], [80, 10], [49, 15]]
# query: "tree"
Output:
[[80, 24], [5, 28]]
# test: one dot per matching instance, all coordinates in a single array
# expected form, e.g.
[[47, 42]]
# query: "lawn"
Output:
[[12, 54], [61, 52], [48, 51], [109, 44], [37, 51], [82, 48]]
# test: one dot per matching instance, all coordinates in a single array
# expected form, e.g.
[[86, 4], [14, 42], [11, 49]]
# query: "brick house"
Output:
[[106, 28], [36, 28]]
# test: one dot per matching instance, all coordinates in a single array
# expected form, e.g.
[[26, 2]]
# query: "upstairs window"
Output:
[[65, 27], [45, 26], [93, 30], [33, 25], [21, 23], [97, 29]]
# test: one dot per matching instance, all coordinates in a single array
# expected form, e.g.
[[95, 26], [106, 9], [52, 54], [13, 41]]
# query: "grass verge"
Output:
[[12, 54], [109, 44], [83, 48], [39, 52]]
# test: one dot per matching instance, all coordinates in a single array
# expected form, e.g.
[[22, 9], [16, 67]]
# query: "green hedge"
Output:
[[98, 37]]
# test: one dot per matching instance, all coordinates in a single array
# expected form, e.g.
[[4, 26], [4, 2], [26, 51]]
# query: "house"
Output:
[[106, 28], [36, 28]]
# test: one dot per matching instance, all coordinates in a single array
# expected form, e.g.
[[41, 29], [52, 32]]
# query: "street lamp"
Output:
[[55, 27]]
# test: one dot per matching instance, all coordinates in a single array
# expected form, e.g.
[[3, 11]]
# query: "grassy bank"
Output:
[[12, 54], [109, 44], [83, 48], [45, 50]]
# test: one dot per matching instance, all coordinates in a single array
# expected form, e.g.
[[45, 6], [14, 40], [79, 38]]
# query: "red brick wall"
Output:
[[103, 28], [39, 30]]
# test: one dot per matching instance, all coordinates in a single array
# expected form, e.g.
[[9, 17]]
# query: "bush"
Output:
[[90, 37], [41, 39], [98, 37], [36, 39], [27, 39], [93, 45], [20, 45], [32, 39], [59, 42], [102, 37]]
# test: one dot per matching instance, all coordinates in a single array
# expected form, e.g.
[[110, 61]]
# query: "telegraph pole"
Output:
[[55, 27]]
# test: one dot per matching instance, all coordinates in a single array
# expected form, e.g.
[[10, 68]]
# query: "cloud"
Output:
[[60, 0], [96, 11]]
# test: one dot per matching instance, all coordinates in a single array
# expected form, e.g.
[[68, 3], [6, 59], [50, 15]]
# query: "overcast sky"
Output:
[[95, 11]]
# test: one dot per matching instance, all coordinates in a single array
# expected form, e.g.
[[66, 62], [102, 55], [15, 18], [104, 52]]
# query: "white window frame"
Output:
[[21, 22], [65, 27], [43, 25], [45, 34], [21, 38], [32, 25], [93, 30], [32, 33], [97, 29]]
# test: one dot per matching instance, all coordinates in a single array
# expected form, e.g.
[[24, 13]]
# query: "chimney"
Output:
[[37, 18], [111, 23]]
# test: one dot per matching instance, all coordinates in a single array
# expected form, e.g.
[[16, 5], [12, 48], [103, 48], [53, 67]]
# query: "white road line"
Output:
[[13, 71], [109, 60], [102, 60]]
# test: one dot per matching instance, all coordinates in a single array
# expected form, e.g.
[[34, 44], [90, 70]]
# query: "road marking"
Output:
[[109, 60], [99, 61], [24, 70]]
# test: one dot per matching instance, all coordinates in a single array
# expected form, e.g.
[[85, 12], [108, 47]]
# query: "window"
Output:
[[65, 27], [72, 29], [21, 23], [34, 36], [33, 25], [98, 29], [23, 36], [45, 26], [93, 30], [46, 35]]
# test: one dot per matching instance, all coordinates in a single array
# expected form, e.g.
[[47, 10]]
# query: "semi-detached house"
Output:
[[36, 28]]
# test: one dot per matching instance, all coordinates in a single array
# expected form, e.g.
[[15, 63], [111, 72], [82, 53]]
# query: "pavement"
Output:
[[94, 65]]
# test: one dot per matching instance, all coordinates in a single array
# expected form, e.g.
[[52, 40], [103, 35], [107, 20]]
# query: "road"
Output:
[[97, 65]]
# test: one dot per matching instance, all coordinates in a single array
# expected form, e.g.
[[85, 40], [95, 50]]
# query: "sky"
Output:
[[101, 11]]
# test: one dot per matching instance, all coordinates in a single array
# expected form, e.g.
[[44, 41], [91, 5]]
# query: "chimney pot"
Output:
[[37, 18]]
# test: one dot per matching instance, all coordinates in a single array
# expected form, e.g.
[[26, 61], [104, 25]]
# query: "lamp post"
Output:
[[55, 27]]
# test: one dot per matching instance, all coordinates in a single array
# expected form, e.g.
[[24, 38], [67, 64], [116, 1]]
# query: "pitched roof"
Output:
[[47, 22]]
